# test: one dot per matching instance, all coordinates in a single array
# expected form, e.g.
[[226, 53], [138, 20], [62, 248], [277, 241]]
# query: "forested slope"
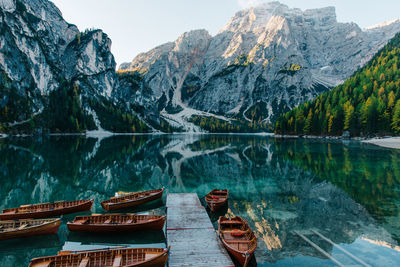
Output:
[[365, 104]]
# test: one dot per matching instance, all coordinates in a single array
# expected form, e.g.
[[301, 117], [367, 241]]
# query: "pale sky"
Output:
[[136, 26]]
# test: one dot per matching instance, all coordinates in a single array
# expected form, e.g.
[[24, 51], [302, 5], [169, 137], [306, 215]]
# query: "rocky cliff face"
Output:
[[265, 60], [41, 53]]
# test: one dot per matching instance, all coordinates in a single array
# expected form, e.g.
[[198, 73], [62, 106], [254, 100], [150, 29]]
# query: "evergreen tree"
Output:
[[349, 117], [396, 118], [308, 123]]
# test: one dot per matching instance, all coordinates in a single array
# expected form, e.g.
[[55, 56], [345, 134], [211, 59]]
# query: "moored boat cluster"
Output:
[[235, 234], [31, 220]]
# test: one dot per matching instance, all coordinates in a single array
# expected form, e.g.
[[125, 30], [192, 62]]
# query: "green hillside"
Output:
[[368, 103]]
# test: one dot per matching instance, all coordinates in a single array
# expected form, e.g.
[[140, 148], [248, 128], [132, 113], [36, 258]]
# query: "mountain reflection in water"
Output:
[[346, 191]]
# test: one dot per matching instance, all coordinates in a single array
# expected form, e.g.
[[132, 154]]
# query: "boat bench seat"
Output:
[[82, 221], [149, 255], [236, 231], [22, 226], [117, 261], [84, 262], [230, 222], [10, 212], [108, 220], [42, 264], [237, 241]]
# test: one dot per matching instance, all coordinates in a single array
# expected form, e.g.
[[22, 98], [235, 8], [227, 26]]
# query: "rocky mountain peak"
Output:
[[253, 18], [8, 5], [192, 38]]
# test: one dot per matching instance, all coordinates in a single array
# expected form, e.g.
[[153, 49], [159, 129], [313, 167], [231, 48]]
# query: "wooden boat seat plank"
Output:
[[117, 261], [236, 232], [23, 226], [10, 211], [238, 241], [84, 262], [43, 264], [81, 221], [230, 222], [108, 221], [150, 256]]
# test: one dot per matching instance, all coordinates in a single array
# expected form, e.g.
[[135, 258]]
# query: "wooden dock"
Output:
[[191, 234]]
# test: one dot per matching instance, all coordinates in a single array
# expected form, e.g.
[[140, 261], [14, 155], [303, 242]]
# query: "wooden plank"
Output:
[[42, 264], [117, 261], [182, 200], [22, 226], [84, 262], [191, 234]]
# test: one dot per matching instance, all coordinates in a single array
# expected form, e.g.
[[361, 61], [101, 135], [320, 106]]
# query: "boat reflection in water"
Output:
[[281, 187]]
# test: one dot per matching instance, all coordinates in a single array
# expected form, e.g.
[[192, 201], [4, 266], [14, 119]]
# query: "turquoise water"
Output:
[[346, 191]]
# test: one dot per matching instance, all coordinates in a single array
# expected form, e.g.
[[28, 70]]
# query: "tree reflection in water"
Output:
[[346, 191]]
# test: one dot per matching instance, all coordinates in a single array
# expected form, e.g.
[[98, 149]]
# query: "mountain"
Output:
[[368, 103], [54, 77], [265, 60]]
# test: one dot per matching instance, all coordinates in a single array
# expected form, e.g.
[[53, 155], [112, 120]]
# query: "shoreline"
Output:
[[387, 142], [390, 142]]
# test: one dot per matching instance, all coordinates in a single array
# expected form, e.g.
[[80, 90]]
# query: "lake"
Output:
[[345, 192]]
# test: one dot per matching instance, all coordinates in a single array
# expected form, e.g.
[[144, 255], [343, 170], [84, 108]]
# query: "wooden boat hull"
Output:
[[48, 213], [216, 204], [160, 261], [239, 256], [238, 239], [105, 258], [155, 225], [131, 203], [45, 229]]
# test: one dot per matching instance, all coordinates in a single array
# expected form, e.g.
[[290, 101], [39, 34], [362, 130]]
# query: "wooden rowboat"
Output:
[[127, 257], [238, 238], [46, 210], [117, 223], [217, 199], [132, 200], [29, 227]]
